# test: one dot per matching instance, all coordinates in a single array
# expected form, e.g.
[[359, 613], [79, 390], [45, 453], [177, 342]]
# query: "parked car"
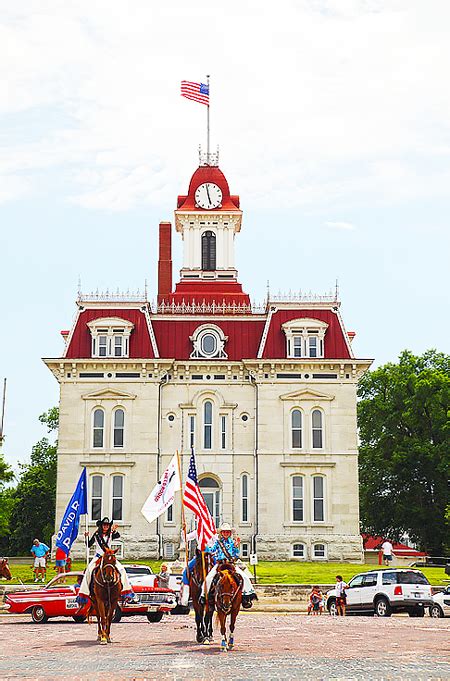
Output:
[[143, 575], [386, 591], [58, 599], [441, 604]]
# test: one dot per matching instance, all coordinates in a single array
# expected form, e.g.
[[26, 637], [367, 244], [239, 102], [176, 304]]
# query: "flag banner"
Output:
[[163, 494], [70, 523], [199, 92], [193, 499]]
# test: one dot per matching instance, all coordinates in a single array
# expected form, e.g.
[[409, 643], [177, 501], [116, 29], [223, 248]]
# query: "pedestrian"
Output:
[[388, 552], [60, 560], [40, 552], [315, 605], [163, 577], [341, 596]]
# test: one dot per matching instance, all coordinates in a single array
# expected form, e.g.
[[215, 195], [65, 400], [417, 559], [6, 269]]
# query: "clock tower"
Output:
[[208, 217]]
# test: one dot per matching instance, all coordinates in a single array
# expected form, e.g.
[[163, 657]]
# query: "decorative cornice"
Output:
[[307, 394], [108, 394]]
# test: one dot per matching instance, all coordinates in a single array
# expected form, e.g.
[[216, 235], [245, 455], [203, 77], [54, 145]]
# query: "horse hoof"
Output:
[[110, 640], [103, 642], [224, 647], [205, 642]]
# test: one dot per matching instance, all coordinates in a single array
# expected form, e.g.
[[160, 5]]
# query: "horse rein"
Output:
[[102, 569]]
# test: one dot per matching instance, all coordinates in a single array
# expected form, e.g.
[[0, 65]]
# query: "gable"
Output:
[[109, 394], [307, 395]]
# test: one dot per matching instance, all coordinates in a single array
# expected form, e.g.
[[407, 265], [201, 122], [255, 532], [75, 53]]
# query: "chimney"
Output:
[[165, 262]]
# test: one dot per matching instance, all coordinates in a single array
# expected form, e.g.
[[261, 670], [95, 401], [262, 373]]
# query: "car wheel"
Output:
[[419, 611], [332, 607], [436, 611], [154, 616], [38, 615], [117, 615], [79, 619], [382, 608]]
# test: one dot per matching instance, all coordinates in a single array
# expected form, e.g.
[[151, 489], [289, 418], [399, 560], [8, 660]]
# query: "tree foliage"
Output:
[[404, 451], [29, 507]]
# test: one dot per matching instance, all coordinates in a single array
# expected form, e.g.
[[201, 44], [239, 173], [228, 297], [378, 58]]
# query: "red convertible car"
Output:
[[57, 599]]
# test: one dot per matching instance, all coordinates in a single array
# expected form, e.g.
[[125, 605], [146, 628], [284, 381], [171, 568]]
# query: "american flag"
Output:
[[193, 499], [199, 92]]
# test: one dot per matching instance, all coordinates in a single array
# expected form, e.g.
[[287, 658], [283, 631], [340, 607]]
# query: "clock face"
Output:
[[208, 195]]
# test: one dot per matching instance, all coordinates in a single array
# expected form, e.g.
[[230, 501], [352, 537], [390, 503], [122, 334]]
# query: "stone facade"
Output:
[[287, 498]]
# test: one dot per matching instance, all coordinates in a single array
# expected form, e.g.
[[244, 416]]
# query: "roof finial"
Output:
[[268, 290], [79, 286]]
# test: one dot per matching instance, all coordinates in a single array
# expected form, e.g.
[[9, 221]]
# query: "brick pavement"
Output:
[[267, 647]]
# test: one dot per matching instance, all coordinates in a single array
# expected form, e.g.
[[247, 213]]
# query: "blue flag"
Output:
[[68, 530]]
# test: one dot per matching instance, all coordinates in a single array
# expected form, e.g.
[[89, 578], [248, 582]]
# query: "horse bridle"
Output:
[[102, 569], [220, 596]]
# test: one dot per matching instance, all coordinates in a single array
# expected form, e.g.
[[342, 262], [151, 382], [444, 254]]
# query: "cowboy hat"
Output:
[[103, 521], [225, 527]]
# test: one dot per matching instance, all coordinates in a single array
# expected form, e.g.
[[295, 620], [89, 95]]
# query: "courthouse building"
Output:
[[266, 396]]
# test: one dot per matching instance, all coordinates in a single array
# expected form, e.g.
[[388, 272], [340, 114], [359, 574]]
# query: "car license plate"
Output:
[[152, 608], [71, 604]]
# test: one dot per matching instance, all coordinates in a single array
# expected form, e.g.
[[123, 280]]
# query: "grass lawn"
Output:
[[267, 572]]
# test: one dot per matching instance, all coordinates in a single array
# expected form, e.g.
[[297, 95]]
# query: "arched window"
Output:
[[211, 494], [119, 425], [317, 429], [117, 497], [319, 551], [98, 435], [208, 251], [298, 550], [244, 498], [297, 498], [207, 425], [318, 498], [96, 497], [296, 429]]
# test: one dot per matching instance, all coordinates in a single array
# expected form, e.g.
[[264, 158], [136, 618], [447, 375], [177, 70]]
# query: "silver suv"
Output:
[[383, 592]]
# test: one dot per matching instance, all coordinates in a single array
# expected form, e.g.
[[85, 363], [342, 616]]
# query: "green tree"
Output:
[[404, 451], [32, 501]]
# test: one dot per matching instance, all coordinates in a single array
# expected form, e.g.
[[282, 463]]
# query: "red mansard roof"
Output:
[[335, 345], [140, 344], [209, 291], [172, 336]]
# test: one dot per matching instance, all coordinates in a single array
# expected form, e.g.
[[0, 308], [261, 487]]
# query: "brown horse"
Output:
[[227, 600], [203, 618], [5, 572], [106, 588]]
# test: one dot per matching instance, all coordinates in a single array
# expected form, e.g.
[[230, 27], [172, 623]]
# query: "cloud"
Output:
[[345, 226], [347, 104]]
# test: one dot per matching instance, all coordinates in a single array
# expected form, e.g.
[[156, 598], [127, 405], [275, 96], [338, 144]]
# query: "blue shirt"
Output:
[[40, 551], [230, 546]]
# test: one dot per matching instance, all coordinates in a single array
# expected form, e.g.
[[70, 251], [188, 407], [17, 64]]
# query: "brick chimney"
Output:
[[165, 261]]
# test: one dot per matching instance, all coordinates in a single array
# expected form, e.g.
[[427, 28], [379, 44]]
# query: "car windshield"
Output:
[[64, 580], [144, 570]]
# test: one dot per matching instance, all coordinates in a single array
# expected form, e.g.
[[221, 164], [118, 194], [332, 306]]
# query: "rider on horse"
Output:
[[102, 538], [226, 549]]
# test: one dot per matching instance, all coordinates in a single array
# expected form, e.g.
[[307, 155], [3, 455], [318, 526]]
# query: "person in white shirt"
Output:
[[388, 553], [341, 596]]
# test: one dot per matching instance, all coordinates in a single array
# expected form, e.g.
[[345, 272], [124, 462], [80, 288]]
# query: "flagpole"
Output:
[[207, 123], [87, 538], [183, 517]]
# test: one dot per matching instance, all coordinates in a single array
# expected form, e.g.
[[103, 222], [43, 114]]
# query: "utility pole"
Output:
[[2, 420]]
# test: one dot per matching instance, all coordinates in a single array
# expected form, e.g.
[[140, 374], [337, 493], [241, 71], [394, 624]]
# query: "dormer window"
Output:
[[209, 342], [305, 338], [110, 337]]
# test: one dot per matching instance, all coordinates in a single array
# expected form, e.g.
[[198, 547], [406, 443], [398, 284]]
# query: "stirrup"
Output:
[[129, 597]]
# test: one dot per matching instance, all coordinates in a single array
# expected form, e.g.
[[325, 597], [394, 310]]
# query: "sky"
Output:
[[333, 122]]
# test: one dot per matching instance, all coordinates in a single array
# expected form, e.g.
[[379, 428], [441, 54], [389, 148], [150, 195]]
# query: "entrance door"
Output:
[[211, 493]]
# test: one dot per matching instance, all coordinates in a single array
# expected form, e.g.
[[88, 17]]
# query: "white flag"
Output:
[[163, 494]]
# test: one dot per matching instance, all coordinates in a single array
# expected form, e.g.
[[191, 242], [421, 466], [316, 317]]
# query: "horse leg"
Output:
[[102, 619], [109, 616], [223, 631], [199, 623], [234, 613]]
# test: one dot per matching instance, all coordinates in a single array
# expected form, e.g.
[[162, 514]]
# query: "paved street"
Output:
[[267, 647]]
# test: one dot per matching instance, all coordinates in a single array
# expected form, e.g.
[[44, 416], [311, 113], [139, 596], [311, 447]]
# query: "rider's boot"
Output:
[[185, 595], [129, 596]]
